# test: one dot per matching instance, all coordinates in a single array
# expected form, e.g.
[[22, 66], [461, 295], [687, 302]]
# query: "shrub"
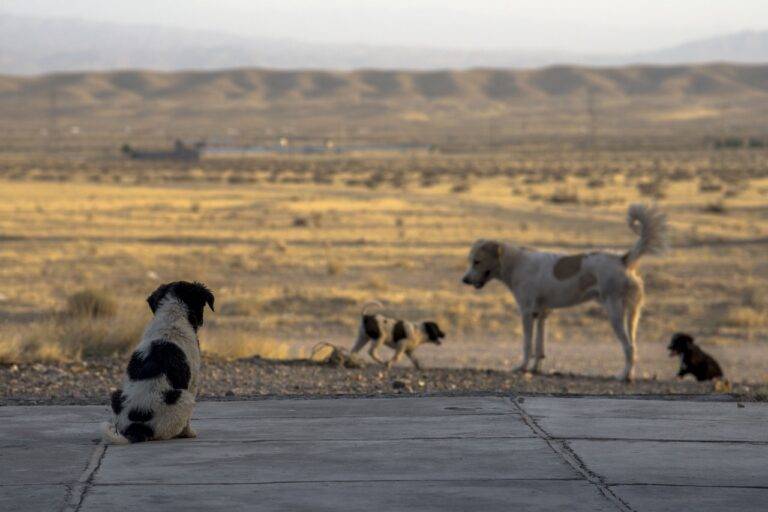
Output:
[[91, 303], [716, 207]]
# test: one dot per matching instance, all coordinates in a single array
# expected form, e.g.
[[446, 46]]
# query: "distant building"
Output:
[[180, 151]]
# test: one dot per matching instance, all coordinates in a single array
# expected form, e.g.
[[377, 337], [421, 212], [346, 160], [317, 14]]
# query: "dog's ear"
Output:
[[195, 296], [491, 247], [206, 294], [682, 338], [433, 332], [154, 299]]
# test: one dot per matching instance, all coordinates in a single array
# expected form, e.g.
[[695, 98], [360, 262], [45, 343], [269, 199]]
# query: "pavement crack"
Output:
[[76, 494], [570, 457]]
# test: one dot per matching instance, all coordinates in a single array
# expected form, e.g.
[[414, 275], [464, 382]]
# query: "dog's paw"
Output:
[[187, 433], [521, 368], [624, 377]]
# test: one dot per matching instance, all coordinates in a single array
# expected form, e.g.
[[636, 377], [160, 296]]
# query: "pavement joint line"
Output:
[[646, 440], [296, 440], [202, 442], [702, 486], [76, 495], [358, 439], [362, 481], [354, 416], [564, 451]]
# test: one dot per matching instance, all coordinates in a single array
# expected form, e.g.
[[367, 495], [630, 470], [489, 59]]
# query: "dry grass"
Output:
[[293, 258]]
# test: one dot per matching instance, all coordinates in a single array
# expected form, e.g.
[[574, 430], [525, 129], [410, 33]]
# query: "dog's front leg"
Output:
[[399, 351], [527, 341], [538, 353], [413, 359]]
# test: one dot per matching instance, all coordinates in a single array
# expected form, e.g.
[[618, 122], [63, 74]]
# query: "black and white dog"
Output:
[[693, 360], [161, 380], [400, 335]]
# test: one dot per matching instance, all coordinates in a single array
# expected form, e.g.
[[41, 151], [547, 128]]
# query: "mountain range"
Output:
[[31, 46]]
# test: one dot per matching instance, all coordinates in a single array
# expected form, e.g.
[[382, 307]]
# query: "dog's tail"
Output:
[[110, 434], [651, 227], [371, 304]]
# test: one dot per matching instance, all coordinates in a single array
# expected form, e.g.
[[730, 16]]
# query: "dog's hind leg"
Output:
[[616, 314], [633, 319], [527, 341], [634, 308], [362, 339], [373, 348], [538, 353]]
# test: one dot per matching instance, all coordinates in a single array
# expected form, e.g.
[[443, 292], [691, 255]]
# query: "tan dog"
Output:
[[542, 281]]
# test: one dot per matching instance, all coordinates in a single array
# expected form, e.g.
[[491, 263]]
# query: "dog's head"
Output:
[[484, 263], [193, 295], [434, 334], [681, 344]]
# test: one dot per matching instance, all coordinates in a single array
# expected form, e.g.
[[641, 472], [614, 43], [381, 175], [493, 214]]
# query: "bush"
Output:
[[91, 303], [563, 196], [70, 338], [716, 207]]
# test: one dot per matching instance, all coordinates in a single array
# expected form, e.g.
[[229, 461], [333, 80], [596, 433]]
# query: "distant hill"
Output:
[[262, 87], [41, 45], [456, 108], [748, 46]]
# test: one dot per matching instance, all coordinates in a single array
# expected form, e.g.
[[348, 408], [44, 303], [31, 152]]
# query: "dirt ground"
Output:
[[90, 382]]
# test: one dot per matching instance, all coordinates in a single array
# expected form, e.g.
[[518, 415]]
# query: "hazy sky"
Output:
[[596, 26]]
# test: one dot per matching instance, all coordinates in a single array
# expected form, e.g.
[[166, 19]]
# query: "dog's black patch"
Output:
[[433, 332], [117, 399], [140, 416], [194, 295], [694, 361], [371, 327], [163, 358], [398, 331], [138, 432], [172, 396]]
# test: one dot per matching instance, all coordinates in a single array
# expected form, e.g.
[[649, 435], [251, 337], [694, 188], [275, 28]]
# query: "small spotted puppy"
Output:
[[161, 380], [693, 360], [400, 335]]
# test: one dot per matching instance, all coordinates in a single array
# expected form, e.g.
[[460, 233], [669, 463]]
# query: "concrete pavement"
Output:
[[434, 453]]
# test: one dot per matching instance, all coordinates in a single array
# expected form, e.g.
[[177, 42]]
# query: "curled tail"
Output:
[[136, 432], [110, 434], [370, 304], [651, 227]]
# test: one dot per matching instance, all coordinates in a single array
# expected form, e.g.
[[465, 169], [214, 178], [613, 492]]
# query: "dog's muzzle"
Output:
[[477, 284]]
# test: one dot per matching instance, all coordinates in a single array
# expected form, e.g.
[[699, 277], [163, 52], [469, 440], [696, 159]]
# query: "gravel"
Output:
[[91, 381]]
